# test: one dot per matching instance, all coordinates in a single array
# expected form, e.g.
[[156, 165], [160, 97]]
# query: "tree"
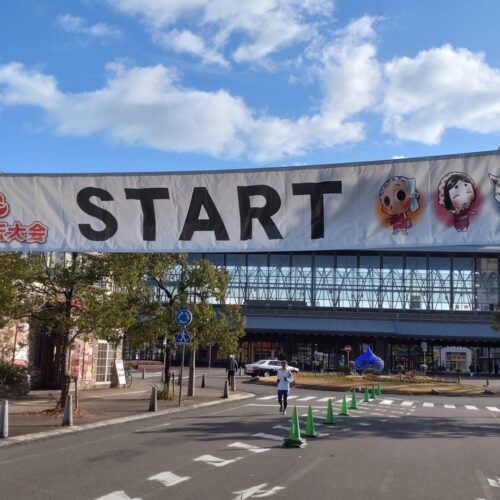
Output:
[[71, 296], [161, 284]]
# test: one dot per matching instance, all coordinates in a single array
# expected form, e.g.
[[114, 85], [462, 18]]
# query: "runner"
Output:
[[284, 377]]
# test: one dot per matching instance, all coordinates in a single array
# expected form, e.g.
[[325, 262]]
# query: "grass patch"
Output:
[[407, 384]]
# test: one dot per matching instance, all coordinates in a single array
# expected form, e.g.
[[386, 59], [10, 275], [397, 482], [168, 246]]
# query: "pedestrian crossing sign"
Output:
[[183, 338]]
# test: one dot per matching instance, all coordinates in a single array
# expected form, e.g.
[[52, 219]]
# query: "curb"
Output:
[[38, 436]]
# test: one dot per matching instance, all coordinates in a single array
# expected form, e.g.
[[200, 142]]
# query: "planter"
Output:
[[16, 390]]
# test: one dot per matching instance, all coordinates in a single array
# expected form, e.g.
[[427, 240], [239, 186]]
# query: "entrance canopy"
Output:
[[445, 332]]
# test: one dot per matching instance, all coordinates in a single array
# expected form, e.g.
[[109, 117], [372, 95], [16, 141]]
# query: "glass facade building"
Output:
[[432, 282]]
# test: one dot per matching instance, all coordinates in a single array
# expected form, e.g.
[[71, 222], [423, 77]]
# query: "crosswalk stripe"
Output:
[[387, 402], [268, 436], [407, 403], [292, 397], [470, 407], [267, 397], [449, 406], [324, 400], [428, 405], [492, 408], [249, 447], [307, 398]]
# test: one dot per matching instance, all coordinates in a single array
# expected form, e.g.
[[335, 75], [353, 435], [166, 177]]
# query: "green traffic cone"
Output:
[[372, 393], [379, 390], [366, 399], [343, 409], [310, 432], [294, 440], [329, 414], [354, 403]]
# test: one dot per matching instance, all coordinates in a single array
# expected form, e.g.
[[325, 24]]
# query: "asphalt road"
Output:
[[393, 448]]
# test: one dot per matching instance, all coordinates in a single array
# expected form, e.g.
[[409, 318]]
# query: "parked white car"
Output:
[[266, 367]]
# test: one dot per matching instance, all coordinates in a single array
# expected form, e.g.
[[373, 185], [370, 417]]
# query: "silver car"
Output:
[[266, 367]]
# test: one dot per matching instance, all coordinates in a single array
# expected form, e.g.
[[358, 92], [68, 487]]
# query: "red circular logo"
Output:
[[4, 206]]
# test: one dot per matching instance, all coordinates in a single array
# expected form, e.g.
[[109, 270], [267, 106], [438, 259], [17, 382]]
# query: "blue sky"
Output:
[[169, 85]]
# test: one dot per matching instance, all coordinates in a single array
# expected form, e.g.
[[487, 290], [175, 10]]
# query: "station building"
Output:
[[437, 293]]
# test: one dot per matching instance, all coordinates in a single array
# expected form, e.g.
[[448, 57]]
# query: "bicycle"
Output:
[[128, 378]]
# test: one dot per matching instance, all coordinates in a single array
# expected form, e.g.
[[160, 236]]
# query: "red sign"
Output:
[[347, 348]]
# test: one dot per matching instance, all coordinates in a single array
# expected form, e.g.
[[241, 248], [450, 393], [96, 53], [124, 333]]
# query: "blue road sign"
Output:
[[183, 338], [183, 317]]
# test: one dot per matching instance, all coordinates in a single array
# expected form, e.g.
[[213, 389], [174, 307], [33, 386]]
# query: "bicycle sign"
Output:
[[183, 317]]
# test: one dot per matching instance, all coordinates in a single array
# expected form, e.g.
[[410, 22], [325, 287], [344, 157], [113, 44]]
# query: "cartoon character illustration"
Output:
[[457, 192], [496, 186], [398, 196]]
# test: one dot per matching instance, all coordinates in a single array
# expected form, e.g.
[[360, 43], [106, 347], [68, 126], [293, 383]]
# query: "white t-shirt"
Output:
[[284, 379]]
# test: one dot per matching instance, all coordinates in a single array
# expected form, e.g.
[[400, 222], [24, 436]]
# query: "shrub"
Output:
[[164, 394], [370, 371], [12, 375]]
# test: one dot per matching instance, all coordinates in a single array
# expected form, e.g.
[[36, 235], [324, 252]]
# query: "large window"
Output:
[[106, 355], [367, 281]]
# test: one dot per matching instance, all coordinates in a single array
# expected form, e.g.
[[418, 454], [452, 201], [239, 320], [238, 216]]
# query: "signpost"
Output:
[[423, 346], [210, 345], [183, 318], [347, 349]]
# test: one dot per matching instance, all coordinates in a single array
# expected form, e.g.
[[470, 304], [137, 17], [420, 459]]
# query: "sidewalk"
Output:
[[33, 417]]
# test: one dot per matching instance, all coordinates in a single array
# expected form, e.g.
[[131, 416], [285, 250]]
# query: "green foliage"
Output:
[[12, 375], [160, 284], [165, 394]]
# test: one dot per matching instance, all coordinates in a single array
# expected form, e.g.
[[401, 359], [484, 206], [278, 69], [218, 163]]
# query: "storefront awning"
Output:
[[372, 327]]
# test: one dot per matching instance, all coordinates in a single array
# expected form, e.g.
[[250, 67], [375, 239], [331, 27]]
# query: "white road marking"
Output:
[[470, 407], [364, 423], [407, 403], [268, 436], [258, 491], [216, 461], [387, 402], [117, 495], [267, 397], [492, 408], [292, 397], [346, 429], [168, 478], [495, 483], [377, 414], [284, 427], [248, 447], [428, 405], [307, 398], [450, 406], [324, 400]]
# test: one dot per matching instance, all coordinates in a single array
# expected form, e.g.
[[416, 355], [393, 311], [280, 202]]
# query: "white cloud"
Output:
[[246, 32], [441, 88], [148, 106], [187, 42], [78, 25]]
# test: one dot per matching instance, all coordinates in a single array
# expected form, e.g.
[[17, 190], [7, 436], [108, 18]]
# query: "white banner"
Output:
[[439, 202]]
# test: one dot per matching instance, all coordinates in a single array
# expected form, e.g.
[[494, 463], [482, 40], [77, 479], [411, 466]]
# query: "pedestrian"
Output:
[[232, 366], [471, 369], [284, 377], [496, 369]]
